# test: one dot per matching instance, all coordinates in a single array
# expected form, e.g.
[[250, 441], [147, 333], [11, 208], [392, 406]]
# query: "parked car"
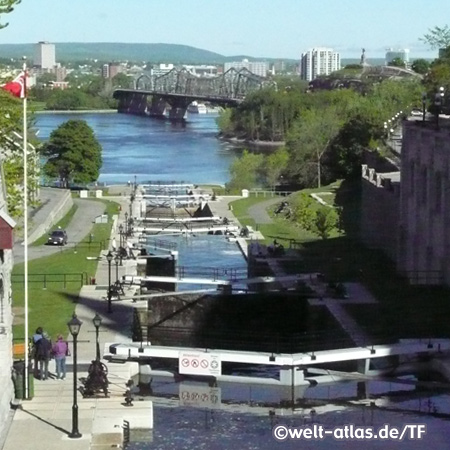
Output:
[[57, 237]]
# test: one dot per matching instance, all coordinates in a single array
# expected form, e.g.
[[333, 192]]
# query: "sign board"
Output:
[[199, 363], [200, 396]]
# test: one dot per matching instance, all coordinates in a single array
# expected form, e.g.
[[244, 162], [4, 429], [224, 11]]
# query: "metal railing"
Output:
[[52, 278]]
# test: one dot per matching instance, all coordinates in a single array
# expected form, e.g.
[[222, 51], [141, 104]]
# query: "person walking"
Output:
[[60, 351], [36, 337], [43, 353]]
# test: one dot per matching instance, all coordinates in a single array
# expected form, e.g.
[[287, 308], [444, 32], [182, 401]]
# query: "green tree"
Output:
[[46, 78], [245, 171], [397, 62], [326, 221], [274, 165], [122, 80], [420, 66], [437, 37], [6, 6], [73, 154]]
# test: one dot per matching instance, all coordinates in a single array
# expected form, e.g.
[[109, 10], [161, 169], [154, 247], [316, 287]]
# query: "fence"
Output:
[[263, 193], [50, 278]]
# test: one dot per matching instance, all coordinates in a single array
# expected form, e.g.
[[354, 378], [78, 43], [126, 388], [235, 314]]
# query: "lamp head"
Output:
[[74, 325], [120, 228], [109, 256], [97, 320]]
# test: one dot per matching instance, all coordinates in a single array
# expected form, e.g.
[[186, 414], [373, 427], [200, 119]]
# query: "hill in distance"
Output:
[[102, 51]]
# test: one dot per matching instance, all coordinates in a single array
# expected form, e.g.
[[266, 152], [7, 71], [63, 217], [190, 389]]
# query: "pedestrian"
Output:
[[60, 350], [43, 353], [36, 336], [114, 245]]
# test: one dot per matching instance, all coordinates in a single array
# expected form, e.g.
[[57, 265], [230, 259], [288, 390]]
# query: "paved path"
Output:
[[259, 213], [77, 230]]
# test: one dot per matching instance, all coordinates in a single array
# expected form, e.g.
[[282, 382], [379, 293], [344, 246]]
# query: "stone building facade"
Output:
[[6, 317], [380, 210], [424, 229]]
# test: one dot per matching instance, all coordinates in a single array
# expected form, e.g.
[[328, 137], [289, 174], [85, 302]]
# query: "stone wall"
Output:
[[6, 318], [380, 207], [424, 246]]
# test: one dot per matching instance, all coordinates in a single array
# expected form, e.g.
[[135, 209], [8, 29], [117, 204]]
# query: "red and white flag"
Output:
[[17, 87]]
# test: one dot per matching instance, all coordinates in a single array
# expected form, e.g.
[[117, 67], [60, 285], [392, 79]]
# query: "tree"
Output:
[[245, 171], [420, 66], [274, 165], [437, 38], [6, 6], [73, 154], [397, 62], [46, 78]]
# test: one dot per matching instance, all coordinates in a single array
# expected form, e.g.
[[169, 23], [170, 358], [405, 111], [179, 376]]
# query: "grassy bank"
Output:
[[55, 281]]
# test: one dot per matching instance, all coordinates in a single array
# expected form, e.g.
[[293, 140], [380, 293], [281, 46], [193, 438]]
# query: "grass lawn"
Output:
[[52, 307]]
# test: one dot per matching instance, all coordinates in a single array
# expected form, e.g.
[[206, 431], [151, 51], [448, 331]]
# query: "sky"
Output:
[[258, 28]]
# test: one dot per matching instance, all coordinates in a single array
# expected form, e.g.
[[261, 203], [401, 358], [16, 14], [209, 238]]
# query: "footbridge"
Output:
[[292, 367], [151, 95]]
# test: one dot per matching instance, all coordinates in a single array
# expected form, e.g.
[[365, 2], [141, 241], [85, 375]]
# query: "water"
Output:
[[153, 149]]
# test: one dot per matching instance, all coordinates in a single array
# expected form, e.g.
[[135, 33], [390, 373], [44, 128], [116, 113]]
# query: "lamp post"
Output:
[[424, 105], [74, 327], [438, 102], [126, 224], [120, 235], [116, 260], [97, 322], [109, 258]]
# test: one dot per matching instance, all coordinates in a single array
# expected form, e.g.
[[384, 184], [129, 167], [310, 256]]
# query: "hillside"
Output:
[[155, 53]]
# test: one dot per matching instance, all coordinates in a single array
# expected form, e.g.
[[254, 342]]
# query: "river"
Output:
[[153, 149]]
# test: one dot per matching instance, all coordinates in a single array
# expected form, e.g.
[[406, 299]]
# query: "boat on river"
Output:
[[197, 108]]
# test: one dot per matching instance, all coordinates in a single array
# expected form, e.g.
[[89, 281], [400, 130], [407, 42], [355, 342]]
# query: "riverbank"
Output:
[[77, 111], [272, 145]]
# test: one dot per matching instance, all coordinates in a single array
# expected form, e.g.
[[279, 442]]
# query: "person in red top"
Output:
[[60, 351]]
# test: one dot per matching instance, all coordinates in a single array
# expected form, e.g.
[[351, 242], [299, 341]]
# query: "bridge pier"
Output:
[[135, 103], [157, 107]]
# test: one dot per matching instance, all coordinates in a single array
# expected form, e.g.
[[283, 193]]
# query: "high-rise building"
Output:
[[257, 67], [319, 61], [44, 55], [402, 53]]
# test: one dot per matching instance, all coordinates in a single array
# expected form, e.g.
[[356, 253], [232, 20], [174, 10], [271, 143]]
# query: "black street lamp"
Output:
[[97, 322], [424, 105], [120, 235], [116, 260], [109, 258], [438, 102], [74, 327], [126, 224]]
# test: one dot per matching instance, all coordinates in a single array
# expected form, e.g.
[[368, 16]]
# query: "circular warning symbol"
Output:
[[214, 364], [194, 363], [185, 362], [204, 363]]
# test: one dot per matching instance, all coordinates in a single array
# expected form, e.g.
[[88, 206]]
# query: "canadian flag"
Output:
[[17, 87]]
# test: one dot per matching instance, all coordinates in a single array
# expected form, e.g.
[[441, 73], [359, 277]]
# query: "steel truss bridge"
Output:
[[180, 87]]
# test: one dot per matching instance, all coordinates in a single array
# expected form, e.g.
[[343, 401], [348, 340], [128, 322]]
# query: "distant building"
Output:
[[319, 61], [202, 70], [161, 69], [257, 67], [44, 55], [402, 53], [110, 70]]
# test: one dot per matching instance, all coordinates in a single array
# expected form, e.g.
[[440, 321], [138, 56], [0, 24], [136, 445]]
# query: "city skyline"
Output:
[[263, 28]]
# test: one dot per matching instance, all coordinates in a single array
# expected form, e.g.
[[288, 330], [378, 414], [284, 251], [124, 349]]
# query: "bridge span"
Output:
[[150, 95]]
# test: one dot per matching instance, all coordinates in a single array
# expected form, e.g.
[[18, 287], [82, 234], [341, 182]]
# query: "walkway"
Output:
[[258, 212]]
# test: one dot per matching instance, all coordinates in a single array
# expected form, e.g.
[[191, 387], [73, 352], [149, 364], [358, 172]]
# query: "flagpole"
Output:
[[25, 225]]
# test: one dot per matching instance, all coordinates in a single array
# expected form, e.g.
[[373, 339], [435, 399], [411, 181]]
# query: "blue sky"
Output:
[[270, 28]]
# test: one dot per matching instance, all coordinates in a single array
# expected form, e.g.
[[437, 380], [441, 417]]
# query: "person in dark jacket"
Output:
[[43, 354], [36, 337]]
